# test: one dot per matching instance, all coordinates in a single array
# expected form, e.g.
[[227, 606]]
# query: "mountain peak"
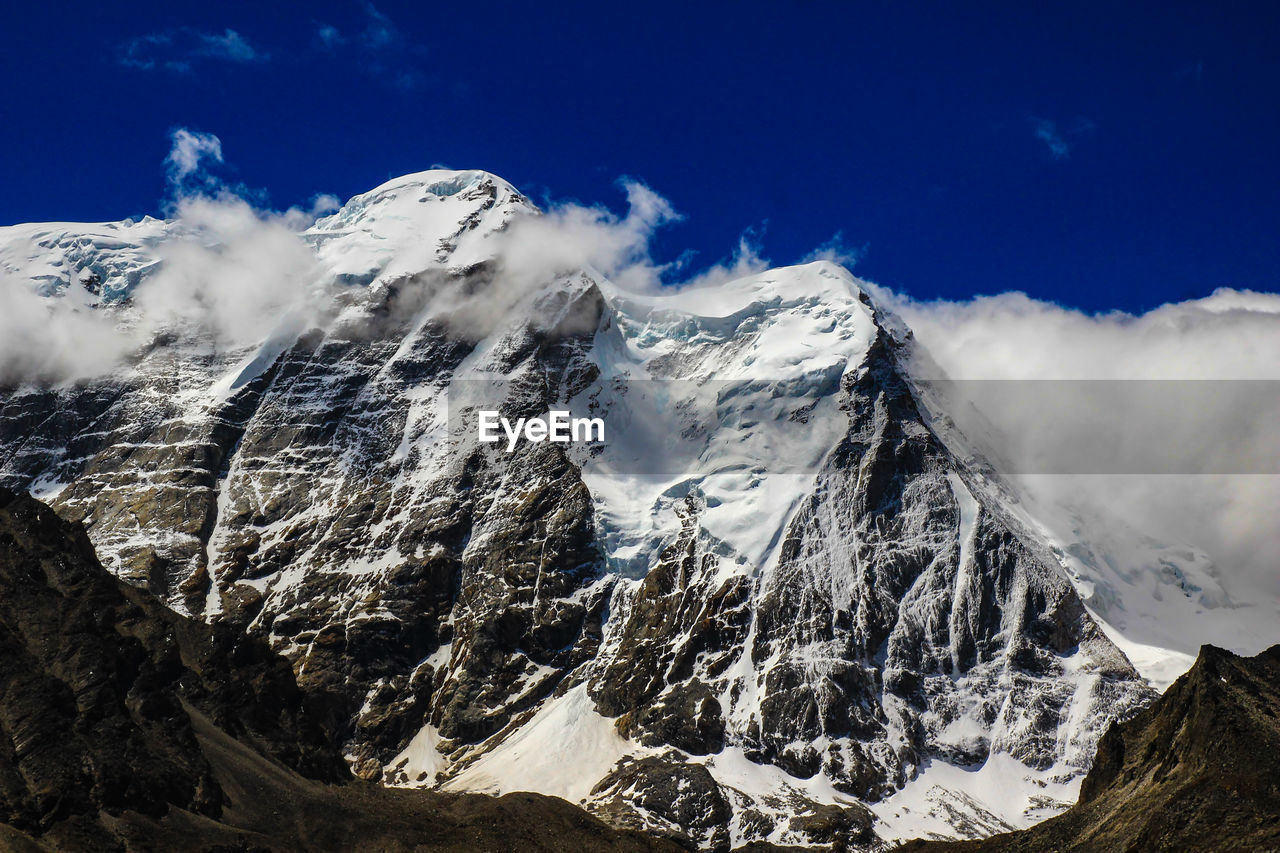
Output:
[[413, 223], [441, 182]]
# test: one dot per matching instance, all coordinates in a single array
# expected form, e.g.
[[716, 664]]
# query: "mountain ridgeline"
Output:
[[804, 626]]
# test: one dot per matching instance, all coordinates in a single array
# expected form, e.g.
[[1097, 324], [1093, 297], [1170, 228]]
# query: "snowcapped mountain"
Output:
[[107, 259], [781, 603]]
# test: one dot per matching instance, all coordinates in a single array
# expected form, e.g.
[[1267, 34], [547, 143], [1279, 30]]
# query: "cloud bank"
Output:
[[1230, 334], [1183, 402], [224, 271]]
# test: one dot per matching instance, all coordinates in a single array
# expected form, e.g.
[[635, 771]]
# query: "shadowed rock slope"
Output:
[[1198, 770], [124, 726]]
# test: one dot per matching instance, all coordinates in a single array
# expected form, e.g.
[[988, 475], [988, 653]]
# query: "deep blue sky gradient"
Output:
[[909, 128]]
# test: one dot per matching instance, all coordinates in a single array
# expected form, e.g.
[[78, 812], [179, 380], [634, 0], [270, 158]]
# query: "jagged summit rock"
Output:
[[413, 223]]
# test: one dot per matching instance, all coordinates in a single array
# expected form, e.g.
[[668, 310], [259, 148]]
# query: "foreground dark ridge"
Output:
[[1198, 770], [126, 726]]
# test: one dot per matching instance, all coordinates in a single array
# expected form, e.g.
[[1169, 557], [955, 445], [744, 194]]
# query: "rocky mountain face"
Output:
[[125, 725], [772, 606], [1194, 771]]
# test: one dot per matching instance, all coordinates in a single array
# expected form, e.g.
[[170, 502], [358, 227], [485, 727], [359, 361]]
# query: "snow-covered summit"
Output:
[[438, 182], [401, 227], [413, 223], [108, 258], [770, 325]]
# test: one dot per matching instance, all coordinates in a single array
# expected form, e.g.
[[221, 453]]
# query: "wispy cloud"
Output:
[[1058, 139], [837, 251], [189, 149], [373, 44], [1203, 343], [1047, 132], [382, 48], [181, 49]]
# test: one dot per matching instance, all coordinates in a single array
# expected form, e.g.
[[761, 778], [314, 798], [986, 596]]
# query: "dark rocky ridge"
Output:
[[1197, 770], [125, 725]]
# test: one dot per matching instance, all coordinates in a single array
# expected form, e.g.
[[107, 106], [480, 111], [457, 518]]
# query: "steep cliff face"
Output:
[[771, 605]]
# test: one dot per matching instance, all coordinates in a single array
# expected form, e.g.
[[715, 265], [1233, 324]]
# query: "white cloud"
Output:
[[1047, 132], [382, 50], [1231, 334], [53, 339], [182, 48], [1170, 444], [190, 149], [228, 270], [837, 251], [235, 273], [569, 236], [301, 218]]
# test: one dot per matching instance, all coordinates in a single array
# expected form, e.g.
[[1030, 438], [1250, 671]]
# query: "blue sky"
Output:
[[1098, 155]]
